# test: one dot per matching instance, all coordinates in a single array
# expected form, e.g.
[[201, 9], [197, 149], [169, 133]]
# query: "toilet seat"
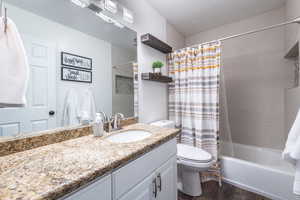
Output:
[[194, 157], [195, 164]]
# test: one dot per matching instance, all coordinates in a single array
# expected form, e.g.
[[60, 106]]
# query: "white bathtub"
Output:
[[258, 170]]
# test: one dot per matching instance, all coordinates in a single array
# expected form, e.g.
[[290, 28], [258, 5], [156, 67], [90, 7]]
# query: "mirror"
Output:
[[75, 58]]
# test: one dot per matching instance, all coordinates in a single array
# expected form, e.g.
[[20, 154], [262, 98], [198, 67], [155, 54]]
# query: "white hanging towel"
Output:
[[71, 109], [291, 152], [88, 106], [14, 67]]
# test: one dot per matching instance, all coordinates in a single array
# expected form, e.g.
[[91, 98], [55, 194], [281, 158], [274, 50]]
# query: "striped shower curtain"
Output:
[[194, 98], [136, 88]]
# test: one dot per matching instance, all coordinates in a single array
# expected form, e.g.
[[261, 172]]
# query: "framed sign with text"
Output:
[[76, 75], [72, 60]]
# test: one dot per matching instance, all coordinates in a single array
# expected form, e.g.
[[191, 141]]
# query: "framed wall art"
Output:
[[76, 75], [72, 60]]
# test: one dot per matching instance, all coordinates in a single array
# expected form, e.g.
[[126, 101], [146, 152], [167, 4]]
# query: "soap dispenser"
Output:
[[98, 130]]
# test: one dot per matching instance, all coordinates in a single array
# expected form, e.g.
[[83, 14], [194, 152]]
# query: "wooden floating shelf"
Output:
[[155, 43], [156, 78]]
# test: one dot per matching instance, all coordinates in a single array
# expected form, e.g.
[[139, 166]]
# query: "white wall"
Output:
[[122, 103], [153, 97], [292, 96], [72, 41], [256, 76], [174, 38], [292, 31]]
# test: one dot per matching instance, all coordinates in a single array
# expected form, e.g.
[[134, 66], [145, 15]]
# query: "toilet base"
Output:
[[190, 183]]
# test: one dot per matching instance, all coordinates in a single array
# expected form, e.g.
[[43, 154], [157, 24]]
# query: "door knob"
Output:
[[51, 112]]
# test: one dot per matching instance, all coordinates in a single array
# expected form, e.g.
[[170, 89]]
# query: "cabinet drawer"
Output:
[[99, 190], [133, 173]]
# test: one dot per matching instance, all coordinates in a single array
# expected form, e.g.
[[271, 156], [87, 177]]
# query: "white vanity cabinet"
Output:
[[159, 185], [152, 176]]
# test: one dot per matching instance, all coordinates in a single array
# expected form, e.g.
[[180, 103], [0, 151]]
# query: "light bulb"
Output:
[[80, 3], [111, 6], [127, 15]]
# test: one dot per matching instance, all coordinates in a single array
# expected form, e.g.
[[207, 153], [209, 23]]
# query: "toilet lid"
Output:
[[191, 153]]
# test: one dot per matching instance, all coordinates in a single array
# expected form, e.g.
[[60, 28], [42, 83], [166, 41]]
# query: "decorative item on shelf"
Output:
[[156, 66]]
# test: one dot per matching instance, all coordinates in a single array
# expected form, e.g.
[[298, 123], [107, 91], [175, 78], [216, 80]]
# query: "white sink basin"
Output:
[[129, 136]]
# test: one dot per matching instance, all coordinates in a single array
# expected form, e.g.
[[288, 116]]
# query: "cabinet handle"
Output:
[[159, 184], [154, 185]]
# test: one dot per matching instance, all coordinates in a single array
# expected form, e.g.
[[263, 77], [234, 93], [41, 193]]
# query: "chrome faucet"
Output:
[[104, 117], [117, 121]]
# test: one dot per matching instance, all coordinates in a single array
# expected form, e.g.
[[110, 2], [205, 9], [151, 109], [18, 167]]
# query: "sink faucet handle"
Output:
[[117, 120]]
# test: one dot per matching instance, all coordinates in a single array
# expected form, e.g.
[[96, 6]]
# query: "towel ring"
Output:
[[5, 20], [1, 6], [5, 15]]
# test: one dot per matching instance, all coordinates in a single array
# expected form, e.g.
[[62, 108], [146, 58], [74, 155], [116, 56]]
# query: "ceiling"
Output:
[[84, 20], [193, 16]]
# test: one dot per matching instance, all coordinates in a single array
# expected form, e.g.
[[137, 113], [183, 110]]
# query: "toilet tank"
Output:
[[164, 124]]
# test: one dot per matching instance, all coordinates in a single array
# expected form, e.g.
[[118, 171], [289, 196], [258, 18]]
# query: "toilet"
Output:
[[191, 161]]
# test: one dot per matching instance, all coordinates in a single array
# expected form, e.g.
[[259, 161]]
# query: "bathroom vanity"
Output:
[[89, 168], [152, 176]]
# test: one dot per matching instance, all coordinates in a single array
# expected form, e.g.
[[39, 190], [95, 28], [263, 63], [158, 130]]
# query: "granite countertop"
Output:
[[52, 171]]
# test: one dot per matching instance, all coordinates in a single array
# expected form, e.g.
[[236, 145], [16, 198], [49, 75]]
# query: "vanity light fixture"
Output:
[[80, 3], [111, 6], [127, 15]]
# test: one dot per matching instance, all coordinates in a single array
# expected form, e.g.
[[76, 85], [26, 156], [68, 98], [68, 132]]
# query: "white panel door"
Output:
[[41, 93]]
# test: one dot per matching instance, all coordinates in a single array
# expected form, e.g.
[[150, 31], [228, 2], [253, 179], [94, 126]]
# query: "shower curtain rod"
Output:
[[295, 21]]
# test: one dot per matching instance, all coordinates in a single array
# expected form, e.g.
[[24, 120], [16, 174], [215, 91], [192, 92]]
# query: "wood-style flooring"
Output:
[[211, 191]]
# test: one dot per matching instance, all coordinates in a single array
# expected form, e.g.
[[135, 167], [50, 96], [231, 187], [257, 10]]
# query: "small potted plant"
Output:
[[156, 66]]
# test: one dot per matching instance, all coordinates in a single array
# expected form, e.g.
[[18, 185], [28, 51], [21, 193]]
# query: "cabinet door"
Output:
[[143, 191], [167, 180], [100, 190], [130, 175]]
